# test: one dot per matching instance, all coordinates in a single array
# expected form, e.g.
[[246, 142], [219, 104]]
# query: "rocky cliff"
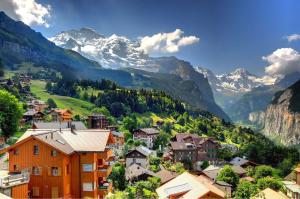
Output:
[[282, 117]]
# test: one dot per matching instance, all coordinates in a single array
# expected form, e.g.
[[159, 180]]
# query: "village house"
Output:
[[243, 162], [292, 186], [97, 121], [139, 155], [193, 148], [187, 185], [37, 105], [213, 171], [77, 125], [64, 163], [146, 135], [33, 115], [119, 139], [165, 175], [61, 115], [136, 172]]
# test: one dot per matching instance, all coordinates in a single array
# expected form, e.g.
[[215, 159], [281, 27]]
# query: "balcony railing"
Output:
[[14, 179]]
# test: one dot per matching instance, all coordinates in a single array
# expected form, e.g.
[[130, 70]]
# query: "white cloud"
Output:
[[293, 37], [166, 42], [282, 61], [28, 11]]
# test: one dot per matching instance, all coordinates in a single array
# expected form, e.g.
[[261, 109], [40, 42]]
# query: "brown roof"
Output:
[[136, 170], [196, 139], [61, 111], [181, 146], [165, 175], [248, 178]]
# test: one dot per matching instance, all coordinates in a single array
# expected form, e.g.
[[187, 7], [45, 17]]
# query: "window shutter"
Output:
[[40, 170], [49, 171], [58, 171]]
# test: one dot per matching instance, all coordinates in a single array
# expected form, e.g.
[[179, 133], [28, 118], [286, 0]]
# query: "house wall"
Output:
[[44, 182], [148, 139], [138, 158], [20, 191]]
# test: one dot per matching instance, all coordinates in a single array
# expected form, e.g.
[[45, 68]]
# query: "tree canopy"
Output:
[[10, 113]]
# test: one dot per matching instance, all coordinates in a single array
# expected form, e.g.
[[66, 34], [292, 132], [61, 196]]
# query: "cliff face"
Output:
[[257, 118], [282, 117]]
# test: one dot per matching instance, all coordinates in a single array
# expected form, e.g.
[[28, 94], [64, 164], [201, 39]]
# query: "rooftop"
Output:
[[270, 194], [189, 186], [59, 125], [69, 141], [149, 131]]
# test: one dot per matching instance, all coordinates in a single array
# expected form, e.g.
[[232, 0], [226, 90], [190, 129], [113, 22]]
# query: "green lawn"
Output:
[[77, 106]]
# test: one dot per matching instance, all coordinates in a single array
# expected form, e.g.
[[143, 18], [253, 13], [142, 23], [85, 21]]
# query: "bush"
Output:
[[245, 190], [227, 175], [270, 182]]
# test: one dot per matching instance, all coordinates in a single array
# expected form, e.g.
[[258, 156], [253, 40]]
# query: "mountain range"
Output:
[[19, 43]]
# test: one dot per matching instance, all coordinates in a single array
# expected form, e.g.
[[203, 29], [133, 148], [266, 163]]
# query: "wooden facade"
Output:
[[57, 174], [61, 115]]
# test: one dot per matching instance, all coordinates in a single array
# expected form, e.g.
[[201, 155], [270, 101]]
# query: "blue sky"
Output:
[[233, 33]]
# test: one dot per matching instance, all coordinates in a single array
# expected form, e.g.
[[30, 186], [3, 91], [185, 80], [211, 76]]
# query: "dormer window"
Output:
[[35, 150], [53, 153]]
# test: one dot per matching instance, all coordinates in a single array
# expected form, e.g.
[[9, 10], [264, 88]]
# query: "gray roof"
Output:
[[69, 141], [31, 112], [117, 134], [213, 171], [143, 150], [238, 161], [57, 125]]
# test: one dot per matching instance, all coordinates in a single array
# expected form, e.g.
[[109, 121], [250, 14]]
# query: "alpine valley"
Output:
[[19, 44]]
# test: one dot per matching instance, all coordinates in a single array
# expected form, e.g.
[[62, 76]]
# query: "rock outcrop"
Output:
[[282, 117]]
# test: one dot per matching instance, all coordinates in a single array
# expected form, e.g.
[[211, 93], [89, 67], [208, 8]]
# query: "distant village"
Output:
[[58, 157]]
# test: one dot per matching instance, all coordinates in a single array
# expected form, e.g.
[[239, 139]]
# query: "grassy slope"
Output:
[[77, 106]]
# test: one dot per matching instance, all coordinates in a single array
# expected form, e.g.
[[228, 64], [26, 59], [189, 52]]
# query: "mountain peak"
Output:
[[240, 71]]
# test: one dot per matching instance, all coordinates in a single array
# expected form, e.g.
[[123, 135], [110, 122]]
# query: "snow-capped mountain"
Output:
[[238, 81], [111, 52], [120, 52]]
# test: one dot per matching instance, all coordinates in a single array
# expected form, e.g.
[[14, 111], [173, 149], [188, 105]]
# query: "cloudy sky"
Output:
[[260, 35]]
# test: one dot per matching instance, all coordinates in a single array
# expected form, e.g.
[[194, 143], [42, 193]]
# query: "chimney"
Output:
[[73, 128]]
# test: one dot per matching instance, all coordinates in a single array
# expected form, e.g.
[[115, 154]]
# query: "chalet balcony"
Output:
[[106, 155], [9, 180], [104, 170]]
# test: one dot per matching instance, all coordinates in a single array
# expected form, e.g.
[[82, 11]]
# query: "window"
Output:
[[35, 191], [87, 167], [53, 153], [16, 151], [36, 171], [54, 171], [87, 186], [35, 150], [15, 167]]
